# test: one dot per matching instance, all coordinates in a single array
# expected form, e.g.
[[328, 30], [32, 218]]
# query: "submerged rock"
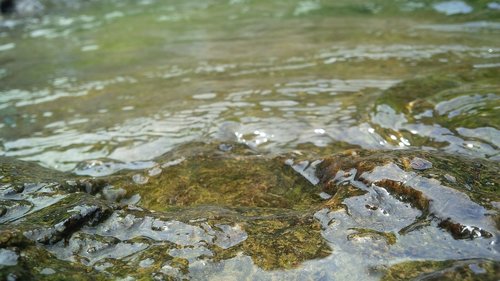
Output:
[[209, 210], [425, 112], [420, 164], [471, 269], [227, 179], [21, 7]]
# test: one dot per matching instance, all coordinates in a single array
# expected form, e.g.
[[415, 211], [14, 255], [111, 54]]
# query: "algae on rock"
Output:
[[201, 203]]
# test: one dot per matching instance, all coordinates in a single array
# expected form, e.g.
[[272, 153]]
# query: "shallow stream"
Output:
[[250, 139]]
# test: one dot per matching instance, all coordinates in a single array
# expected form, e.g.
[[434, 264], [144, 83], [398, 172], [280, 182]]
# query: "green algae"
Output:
[[17, 172], [262, 220], [237, 222], [444, 270], [414, 96], [34, 259], [242, 200], [475, 177], [281, 243], [414, 93], [251, 181], [390, 238]]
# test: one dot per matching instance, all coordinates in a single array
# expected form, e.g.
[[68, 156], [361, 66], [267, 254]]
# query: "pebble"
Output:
[[420, 164]]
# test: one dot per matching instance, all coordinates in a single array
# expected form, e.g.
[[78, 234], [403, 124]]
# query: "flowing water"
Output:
[[195, 139]]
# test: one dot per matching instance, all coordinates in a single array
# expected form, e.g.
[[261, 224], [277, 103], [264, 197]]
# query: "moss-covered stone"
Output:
[[204, 203], [212, 177], [467, 98], [444, 270], [35, 263]]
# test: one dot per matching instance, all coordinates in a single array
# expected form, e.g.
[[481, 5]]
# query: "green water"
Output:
[[197, 115]]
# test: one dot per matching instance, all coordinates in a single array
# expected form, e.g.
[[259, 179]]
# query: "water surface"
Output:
[[230, 108]]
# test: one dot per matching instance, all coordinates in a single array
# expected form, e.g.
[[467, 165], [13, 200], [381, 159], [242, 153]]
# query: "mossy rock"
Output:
[[470, 270], [228, 179], [260, 205], [415, 96]]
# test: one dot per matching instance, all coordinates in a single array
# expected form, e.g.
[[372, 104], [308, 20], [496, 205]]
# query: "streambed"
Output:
[[320, 140]]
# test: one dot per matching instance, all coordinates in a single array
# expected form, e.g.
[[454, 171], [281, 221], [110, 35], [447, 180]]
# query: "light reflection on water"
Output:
[[305, 106], [143, 138], [130, 81], [111, 85]]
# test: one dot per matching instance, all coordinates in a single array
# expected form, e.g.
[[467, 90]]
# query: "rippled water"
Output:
[[96, 87], [130, 80]]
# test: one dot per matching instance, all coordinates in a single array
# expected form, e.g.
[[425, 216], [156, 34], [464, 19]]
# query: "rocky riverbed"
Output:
[[249, 140], [220, 210]]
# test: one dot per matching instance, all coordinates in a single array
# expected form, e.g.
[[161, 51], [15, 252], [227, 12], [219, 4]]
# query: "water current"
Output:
[[250, 140]]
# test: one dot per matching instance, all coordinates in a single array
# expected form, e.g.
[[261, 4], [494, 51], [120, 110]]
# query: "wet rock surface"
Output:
[[263, 217], [336, 147]]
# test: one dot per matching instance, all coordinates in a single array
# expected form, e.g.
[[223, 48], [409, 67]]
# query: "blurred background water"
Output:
[[98, 86], [126, 81]]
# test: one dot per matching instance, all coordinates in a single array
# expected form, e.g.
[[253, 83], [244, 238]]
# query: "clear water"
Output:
[[96, 87], [130, 80]]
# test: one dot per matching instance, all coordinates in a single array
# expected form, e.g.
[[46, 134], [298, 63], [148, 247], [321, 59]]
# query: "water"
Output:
[[112, 89], [130, 80]]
